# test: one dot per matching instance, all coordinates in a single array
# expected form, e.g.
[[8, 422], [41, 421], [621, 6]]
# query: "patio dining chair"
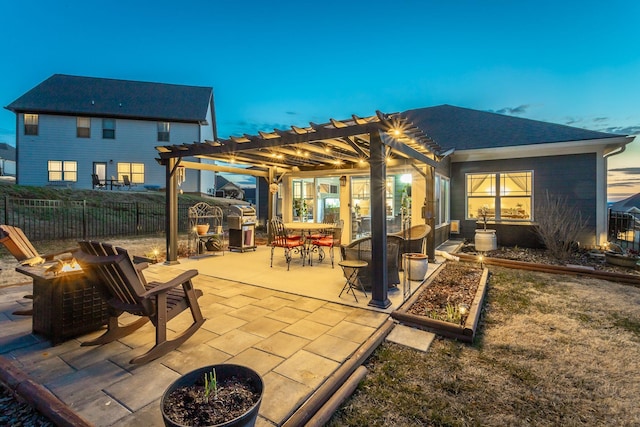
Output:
[[126, 290], [328, 241], [280, 239], [96, 182], [126, 182]]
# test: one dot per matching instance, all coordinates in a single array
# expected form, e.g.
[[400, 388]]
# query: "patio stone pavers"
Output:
[[137, 391], [281, 344], [326, 316], [331, 347], [263, 327], [260, 361], [294, 342], [234, 341], [280, 389], [249, 312], [306, 329], [222, 324], [307, 368], [288, 314]]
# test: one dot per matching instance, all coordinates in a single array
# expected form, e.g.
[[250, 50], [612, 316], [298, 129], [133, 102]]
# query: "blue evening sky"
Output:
[[278, 63]]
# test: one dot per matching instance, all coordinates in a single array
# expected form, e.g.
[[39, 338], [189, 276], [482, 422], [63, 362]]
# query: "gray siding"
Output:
[[570, 176]]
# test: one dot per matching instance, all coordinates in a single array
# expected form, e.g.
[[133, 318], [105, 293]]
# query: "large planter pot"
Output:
[[416, 265], [224, 372], [485, 240], [621, 260]]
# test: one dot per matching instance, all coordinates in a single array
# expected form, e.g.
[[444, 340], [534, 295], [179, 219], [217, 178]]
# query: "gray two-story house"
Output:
[[71, 130]]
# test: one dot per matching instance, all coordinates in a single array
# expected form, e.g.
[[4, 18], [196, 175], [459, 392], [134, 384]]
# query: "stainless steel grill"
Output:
[[242, 227]]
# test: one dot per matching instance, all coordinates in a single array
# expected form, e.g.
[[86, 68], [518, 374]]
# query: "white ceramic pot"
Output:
[[418, 264], [486, 240]]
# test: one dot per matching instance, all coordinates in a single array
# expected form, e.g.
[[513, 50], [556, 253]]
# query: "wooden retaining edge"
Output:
[[557, 269], [309, 408], [39, 397], [331, 406], [464, 333]]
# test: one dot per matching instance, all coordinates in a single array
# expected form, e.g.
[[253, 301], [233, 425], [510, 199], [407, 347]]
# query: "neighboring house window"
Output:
[[442, 193], [30, 124], [134, 170], [108, 129], [506, 195], [163, 131], [62, 170], [83, 127]]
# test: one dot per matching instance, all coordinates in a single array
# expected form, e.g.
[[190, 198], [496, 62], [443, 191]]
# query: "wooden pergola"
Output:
[[339, 146]]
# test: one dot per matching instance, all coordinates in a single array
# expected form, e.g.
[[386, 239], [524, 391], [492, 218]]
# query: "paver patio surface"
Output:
[[294, 342]]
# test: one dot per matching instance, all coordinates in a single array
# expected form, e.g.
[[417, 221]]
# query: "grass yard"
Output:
[[553, 350]]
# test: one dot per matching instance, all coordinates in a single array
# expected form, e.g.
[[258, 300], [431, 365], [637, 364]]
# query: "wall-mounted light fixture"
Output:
[[343, 181]]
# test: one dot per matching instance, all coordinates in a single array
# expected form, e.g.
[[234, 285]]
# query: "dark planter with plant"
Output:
[[215, 395]]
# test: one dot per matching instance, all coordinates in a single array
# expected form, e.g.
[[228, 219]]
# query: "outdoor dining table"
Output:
[[306, 229]]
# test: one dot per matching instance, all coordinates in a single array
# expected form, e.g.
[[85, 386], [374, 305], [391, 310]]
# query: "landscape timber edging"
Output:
[[629, 279], [465, 333]]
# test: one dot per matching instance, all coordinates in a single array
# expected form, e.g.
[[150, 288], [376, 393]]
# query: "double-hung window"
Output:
[[83, 127], [502, 195], [163, 131], [108, 128], [62, 170], [31, 124]]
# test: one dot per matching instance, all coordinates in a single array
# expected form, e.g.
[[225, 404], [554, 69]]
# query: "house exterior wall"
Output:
[[135, 142], [570, 176]]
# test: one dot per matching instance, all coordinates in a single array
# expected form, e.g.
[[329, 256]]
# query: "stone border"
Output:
[[465, 333]]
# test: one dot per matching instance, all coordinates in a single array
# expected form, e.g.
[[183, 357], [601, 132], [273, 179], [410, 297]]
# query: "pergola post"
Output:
[[171, 211], [378, 173]]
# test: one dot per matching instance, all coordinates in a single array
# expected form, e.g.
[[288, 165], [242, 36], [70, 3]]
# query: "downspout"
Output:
[[602, 219]]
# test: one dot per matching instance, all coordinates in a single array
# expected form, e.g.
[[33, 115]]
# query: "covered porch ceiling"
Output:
[[338, 144]]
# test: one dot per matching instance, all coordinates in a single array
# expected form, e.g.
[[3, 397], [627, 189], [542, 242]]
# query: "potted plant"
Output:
[[215, 395], [485, 240], [622, 257]]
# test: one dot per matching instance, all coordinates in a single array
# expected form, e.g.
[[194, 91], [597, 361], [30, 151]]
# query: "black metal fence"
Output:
[[624, 229], [57, 219]]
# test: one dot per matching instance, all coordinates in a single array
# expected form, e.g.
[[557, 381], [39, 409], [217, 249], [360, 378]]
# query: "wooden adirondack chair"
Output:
[[17, 243], [14, 239], [126, 290]]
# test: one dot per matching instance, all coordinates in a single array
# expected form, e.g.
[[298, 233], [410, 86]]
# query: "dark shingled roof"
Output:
[[466, 129], [90, 96]]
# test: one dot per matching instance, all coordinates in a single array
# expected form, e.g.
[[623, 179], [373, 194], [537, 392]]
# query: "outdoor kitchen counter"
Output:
[[65, 304]]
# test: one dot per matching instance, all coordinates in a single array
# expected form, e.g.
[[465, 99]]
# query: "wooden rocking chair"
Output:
[[126, 290]]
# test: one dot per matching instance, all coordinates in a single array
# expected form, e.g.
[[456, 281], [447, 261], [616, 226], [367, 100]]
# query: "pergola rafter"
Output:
[[338, 145]]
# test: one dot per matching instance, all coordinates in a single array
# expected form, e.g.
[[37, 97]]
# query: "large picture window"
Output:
[[135, 171], [504, 195], [31, 124], [62, 170], [83, 127]]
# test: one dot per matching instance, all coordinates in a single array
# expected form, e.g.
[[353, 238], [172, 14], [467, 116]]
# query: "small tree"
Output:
[[558, 225]]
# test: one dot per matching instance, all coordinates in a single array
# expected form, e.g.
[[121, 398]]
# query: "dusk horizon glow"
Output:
[[273, 65]]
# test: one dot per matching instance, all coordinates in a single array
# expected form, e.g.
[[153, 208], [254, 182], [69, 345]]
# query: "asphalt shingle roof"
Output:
[[90, 96], [466, 129]]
